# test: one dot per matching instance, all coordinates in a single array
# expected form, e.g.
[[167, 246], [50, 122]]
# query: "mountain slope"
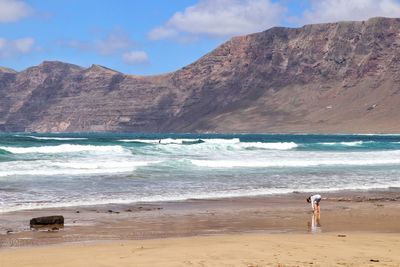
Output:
[[336, 77]]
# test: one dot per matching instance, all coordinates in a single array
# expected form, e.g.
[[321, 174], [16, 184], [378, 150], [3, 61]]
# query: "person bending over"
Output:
[[315, 200]]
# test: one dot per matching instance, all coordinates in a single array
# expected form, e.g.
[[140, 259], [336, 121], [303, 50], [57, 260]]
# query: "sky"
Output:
[[153, 36]]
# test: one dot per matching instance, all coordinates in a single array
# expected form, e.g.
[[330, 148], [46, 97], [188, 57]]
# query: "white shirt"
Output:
[[313, 198]]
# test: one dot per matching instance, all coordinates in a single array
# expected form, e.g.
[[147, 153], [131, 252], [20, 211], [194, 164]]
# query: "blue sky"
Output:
[[153, 36]]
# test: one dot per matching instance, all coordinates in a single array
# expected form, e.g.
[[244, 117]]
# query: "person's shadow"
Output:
[[314, 226]]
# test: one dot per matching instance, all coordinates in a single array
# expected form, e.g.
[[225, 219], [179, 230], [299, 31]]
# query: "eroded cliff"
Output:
[[336, 77]]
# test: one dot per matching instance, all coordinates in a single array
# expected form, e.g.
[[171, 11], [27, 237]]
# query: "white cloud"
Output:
[[162, 33], [13, 48], [114, 42], [135, 57], [13, 10], [337, 10], [221, 18], [24, 45]]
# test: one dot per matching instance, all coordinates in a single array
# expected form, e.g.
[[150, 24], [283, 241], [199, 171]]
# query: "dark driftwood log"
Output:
[[48, 222]]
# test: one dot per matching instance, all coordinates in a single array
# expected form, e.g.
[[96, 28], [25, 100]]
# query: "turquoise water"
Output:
[[57, 170]]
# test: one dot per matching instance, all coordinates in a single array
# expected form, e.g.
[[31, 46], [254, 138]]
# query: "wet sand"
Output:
[[377, 211], [354, 228]]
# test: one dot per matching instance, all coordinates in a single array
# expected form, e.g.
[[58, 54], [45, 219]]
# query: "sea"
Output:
[[62, 170]]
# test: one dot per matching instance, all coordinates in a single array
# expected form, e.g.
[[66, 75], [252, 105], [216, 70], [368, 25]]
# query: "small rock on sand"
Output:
[[56, 221]]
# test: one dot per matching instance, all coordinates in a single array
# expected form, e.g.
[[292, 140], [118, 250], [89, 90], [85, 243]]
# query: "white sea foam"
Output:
[[73, 172], [180, 172], [222, 141], [295, 162], [354, 143], [65, 148], [275, 146], [70, 168], [218, 143], [177, 141], [147, 141], [189, 195], [182, 140], [164, 141], [102, 165]]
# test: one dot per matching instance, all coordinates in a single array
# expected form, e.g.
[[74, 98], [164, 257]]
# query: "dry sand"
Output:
[[354, 249]]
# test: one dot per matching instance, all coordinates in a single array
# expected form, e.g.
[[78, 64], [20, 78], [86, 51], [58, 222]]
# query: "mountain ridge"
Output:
[[321, 78]]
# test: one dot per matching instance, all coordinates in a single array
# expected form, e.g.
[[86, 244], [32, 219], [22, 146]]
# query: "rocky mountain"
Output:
[[335, 77]]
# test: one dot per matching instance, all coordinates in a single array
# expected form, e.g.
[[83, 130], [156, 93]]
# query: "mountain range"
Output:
[[324, 78]]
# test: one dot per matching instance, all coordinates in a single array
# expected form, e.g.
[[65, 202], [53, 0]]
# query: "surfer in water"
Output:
[[314, 200]]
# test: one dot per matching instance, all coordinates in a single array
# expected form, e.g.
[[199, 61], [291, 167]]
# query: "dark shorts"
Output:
[[317, 200]]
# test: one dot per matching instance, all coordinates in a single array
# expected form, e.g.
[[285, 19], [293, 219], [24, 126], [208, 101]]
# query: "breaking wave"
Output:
[[354, 143], [125, 168], [47, 168], [276, 146], [305, 159], [232, 143], [65, 148]]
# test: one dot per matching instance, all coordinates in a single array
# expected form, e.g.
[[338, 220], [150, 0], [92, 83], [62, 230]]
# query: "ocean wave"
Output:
[[354, 143], [64, 148], [164, 141], [271, 163], [274, 146], [217, 143], [222, 141], [46, 168], [56, 138], [177, 141], [102, 165], [67, 171], [4, 152]]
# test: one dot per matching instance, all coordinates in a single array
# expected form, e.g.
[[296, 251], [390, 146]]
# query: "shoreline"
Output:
[[338, 192], [343, 211], [383, 189]]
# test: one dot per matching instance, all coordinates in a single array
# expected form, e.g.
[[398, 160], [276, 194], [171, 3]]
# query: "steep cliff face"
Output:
[[337, 77]]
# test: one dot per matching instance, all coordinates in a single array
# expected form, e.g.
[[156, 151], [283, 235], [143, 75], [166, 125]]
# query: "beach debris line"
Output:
[[53, 222]]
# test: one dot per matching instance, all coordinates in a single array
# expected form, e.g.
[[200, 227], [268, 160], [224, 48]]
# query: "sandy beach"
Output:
[[354, 228], [354, 249]]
